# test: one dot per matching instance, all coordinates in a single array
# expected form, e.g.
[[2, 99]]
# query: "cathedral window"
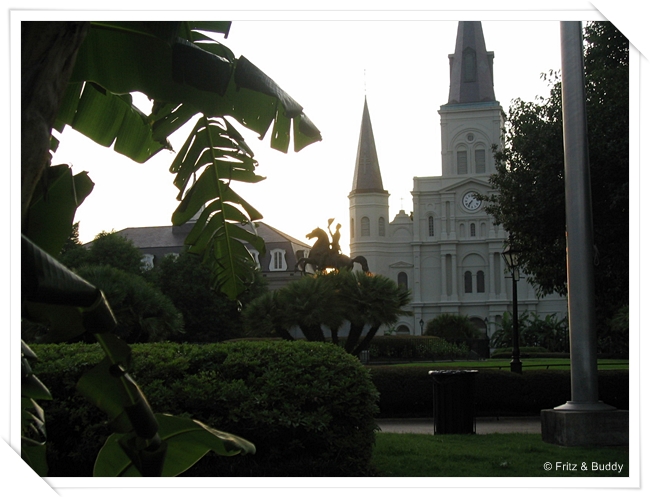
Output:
[[468, 282], [403, 280], [472, 229], [431, 231], [351, 228], [365, 227], [461, 159], [480, 282], [479, 159], [382, 227]]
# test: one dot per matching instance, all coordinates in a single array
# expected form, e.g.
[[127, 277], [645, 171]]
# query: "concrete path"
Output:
[[484, 425]]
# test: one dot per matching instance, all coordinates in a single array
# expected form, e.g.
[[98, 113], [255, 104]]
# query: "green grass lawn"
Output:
[[528, 364], [491, 455]]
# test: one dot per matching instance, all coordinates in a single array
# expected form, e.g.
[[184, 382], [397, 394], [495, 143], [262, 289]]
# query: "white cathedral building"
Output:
[[448, 250]]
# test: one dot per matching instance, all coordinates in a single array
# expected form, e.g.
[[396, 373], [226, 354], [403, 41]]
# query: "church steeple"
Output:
[[367, 176], [470, 66]]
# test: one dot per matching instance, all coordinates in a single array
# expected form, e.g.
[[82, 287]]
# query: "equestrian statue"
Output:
[[325, 254]]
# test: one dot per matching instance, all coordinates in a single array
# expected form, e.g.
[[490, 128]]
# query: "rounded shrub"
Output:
[[309, 408]]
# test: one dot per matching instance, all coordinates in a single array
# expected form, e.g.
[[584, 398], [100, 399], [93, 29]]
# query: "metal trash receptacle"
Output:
[[453, 401]]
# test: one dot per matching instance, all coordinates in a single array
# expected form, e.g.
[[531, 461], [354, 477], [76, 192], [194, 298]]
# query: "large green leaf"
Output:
[[187, 442], [128, 57], [217, 153], [51, 212], [110, 120]]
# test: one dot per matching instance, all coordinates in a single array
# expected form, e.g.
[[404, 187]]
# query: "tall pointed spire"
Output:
[[367, 176], [470, 66]]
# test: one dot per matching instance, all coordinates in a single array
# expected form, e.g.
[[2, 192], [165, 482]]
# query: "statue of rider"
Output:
[[336, 236]]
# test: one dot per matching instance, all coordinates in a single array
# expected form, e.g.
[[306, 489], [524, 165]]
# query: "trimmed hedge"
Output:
[[391, 347], [408, 391], [309, 408]]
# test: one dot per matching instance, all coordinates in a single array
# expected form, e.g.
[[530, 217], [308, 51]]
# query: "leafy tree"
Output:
[[329, 300], [209, 315], [530, 198], [550, 332], [73, 72], [451, 327], [502, 336], [107, 248], [143, 313]]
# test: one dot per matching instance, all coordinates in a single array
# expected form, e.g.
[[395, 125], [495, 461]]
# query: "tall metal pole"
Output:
[[515, 362], [579, 227]]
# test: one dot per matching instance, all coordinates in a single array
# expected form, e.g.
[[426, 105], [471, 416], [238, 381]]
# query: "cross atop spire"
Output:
[[470, 66], [367, 176]]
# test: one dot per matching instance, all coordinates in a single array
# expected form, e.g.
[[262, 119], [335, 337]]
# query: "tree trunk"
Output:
[[48, 53], [363, 345]]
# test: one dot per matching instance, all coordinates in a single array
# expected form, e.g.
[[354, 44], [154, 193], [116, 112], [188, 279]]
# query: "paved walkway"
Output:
[[484, 425]]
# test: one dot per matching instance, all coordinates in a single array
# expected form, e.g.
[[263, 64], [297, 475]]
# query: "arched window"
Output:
[[480, 282], [382, 227], [461, 160], [472, 229], [365, 227], [431, 231], [403, 330], [403, 280], [468, 282], [479, 159], [351, 228]]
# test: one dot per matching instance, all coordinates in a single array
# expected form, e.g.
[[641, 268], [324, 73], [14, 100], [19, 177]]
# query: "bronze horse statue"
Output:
[[323, 256]]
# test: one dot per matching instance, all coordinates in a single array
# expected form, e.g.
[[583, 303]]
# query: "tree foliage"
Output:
[[530, 198], [143, 313], [550, 332], [107, 248], [209, 315], [450, 326], [331, 301]]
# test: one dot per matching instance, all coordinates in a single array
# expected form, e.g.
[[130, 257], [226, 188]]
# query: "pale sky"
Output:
[[328, 66]]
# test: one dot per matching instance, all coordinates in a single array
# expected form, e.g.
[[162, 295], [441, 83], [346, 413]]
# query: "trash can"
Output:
[[453, 401]]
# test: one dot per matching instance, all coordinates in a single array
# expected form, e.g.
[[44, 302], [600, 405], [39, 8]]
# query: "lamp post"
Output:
[[421, 326], [511, 257]]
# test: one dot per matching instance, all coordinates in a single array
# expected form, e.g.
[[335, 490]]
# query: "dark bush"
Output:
[[415, 348], [308, 407], [450, 326], [408, 391], [528, 352]]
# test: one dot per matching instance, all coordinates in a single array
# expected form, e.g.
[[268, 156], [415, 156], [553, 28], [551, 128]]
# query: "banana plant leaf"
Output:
[[32, 425], [189, 68], [51, 212], [187, 442]]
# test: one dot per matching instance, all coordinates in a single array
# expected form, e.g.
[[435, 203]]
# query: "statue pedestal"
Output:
[[585, 427]]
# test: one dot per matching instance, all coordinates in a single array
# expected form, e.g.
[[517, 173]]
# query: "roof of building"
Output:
[[471, 78], [169, 236], [367, 176]]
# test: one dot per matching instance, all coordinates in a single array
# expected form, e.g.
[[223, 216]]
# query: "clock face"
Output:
[[470, 202]]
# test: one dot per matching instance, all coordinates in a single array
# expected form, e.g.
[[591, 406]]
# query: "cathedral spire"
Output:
[[470, 66], [367, 176]]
